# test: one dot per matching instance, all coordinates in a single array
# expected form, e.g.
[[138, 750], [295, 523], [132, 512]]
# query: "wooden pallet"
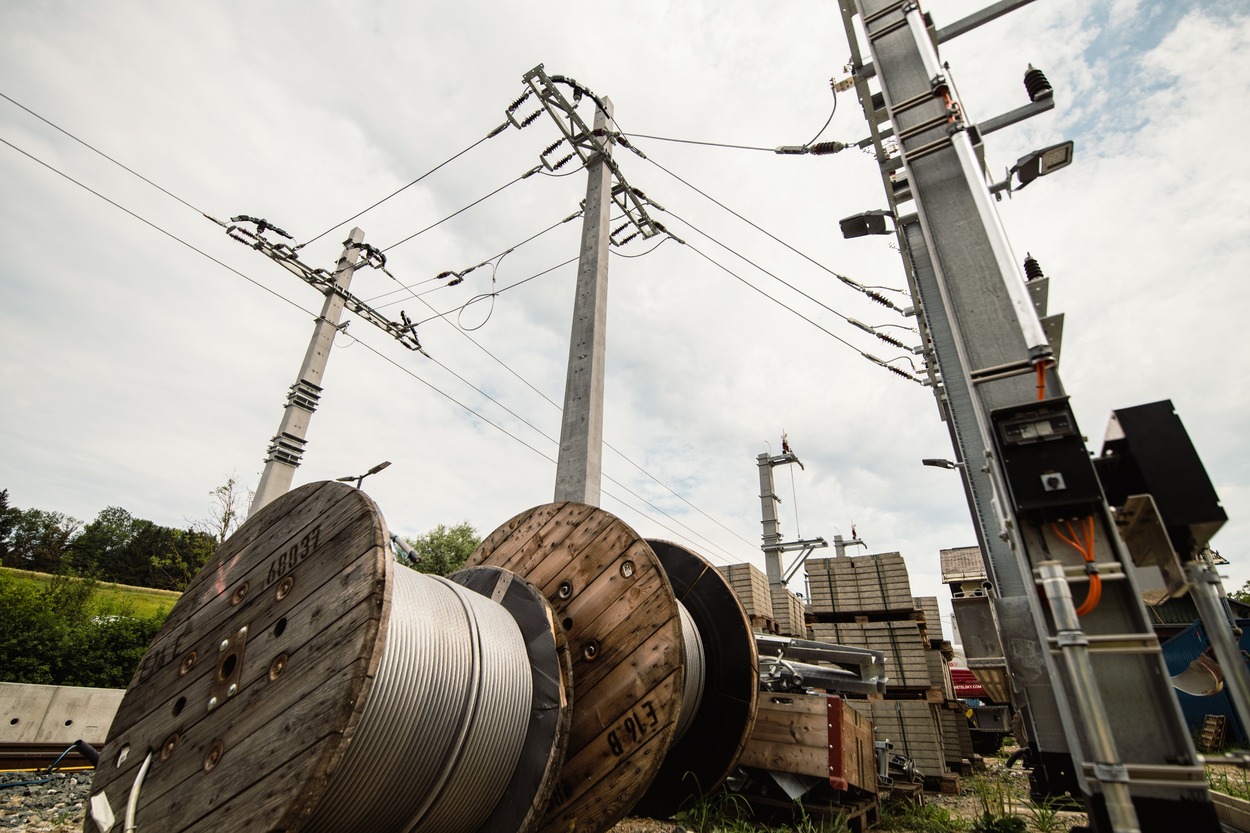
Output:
[[1214, 728]]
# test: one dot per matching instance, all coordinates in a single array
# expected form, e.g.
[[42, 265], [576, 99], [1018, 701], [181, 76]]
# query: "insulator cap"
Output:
[[1037, 85], [825, 148], [1032, 269]]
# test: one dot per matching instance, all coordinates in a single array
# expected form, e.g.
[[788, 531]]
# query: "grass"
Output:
[[1235, 782], [142, 602]]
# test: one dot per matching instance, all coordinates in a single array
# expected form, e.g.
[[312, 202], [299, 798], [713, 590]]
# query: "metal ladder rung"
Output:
[[1116, 643], [1165, 775]]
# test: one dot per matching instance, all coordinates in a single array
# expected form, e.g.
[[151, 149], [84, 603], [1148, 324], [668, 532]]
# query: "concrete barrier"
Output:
[[56, 715]]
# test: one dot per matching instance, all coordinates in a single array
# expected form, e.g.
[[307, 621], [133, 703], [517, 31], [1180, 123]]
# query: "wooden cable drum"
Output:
[[709, 749], [611, 596], [304, 683]]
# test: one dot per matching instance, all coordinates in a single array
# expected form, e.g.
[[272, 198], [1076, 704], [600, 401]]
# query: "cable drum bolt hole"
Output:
[[69, 722], [568, 624], [284, 588], [279, 627], [227, 667], [214, 755], [240, 593], [188, 662], [167, 750], [591, 651], [14, 721], [179, 706], [565, 590]]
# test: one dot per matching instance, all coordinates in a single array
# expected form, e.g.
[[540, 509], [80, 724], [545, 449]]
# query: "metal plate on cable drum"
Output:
[[610, 594], [251, 691]]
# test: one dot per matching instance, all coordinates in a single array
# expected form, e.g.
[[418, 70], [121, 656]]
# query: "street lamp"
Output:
[[861, 225], [1037, 163], [360, 478], [938, 463]]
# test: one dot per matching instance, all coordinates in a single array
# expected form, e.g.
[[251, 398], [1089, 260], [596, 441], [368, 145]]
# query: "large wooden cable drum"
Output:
[[611, 596], [716, 733], [302, 682]]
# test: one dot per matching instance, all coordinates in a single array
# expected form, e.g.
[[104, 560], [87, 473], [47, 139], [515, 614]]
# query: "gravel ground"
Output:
[[53, 807]]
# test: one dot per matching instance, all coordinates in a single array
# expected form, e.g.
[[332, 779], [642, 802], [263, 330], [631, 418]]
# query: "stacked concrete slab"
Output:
[[771, 610], [866, 602]]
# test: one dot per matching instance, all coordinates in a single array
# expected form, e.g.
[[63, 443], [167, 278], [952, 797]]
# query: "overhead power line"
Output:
[[525, 175], [297, 306]]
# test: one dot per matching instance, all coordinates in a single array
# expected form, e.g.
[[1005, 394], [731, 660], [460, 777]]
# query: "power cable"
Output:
[[94, 149], [501, 128], [888, 339], [865, 288], [154, 226], [307, 312], [525, 175], [783, 305], [695, 142]]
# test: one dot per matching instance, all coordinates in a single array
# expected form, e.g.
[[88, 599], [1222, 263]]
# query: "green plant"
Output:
[[1044, 816], [1236, 784], [834, 823], [918, 818], [719, 812], [987, 822]]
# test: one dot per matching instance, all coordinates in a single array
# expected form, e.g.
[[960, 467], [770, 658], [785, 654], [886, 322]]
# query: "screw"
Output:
[[224, 646], [212, 703]]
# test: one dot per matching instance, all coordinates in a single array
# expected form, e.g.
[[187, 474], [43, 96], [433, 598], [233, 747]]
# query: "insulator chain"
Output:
[[286, 256]]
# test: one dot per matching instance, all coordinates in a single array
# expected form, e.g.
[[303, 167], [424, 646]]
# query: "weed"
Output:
[[1044, 815], [1236, 785], [920, 818]]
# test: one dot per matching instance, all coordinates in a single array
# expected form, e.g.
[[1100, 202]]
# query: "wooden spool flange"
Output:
[[709, 751], [250, 693], [525, 799], [612, 598]]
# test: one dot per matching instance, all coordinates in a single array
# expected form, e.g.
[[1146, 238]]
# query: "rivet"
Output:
[[224, 646], [565, 590], [168, 748], [240, 593], [277, 667], [233, 690], [214, 755], [285, 587], [591, 651], [188, 662], [212, 703]]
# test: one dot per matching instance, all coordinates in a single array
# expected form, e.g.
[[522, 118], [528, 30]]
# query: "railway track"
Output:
[[41, 756]]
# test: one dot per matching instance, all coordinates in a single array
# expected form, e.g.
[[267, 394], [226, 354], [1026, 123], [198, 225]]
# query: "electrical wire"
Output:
[[1085, 546], [155, 227], [445, 162], [867, 289], [94, 149], [410, 373], [509, 184], [893, 342], [787, 307], [704, 144]]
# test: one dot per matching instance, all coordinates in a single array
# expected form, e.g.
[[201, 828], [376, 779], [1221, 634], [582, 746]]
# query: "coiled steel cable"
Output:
[[695, 671], [444, 724]]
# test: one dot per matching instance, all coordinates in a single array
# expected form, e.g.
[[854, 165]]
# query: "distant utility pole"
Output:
[[286, 450], [1104, 715], [579, 469], [773, 545]]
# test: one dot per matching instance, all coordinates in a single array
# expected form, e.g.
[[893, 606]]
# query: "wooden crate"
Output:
[[859, 583], [906, 662], [750, 585], [814, 735], [913, 727], [788, 612]]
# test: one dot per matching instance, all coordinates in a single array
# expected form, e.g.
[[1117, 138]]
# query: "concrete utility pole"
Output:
[[579, 469], [1111, 726], [286, 450], [773, 545]]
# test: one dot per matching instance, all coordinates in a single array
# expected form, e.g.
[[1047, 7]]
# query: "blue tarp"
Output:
[[1178, 653]]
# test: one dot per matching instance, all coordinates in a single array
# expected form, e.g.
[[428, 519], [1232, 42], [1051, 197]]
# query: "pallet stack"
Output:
[[771, 610], [866, 602], [751, 587]]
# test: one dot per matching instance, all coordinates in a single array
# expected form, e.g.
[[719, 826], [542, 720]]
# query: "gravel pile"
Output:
[[58, 806], [52, 807]]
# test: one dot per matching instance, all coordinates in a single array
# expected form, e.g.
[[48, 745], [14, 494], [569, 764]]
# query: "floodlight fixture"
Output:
[[1041, 162], [939, 463], [360, 478], [862, 225]]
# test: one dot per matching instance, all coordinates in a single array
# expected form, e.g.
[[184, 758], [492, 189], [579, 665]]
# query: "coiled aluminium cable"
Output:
[[445, 721], [692, 695]]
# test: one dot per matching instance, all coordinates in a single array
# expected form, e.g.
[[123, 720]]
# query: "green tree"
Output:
[[1242, 595], [8, 516], [181, 558], [39, 540], [444, 549], [102, 544]]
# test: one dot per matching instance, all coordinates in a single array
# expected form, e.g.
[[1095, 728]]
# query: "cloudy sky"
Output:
[[139, 372]]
